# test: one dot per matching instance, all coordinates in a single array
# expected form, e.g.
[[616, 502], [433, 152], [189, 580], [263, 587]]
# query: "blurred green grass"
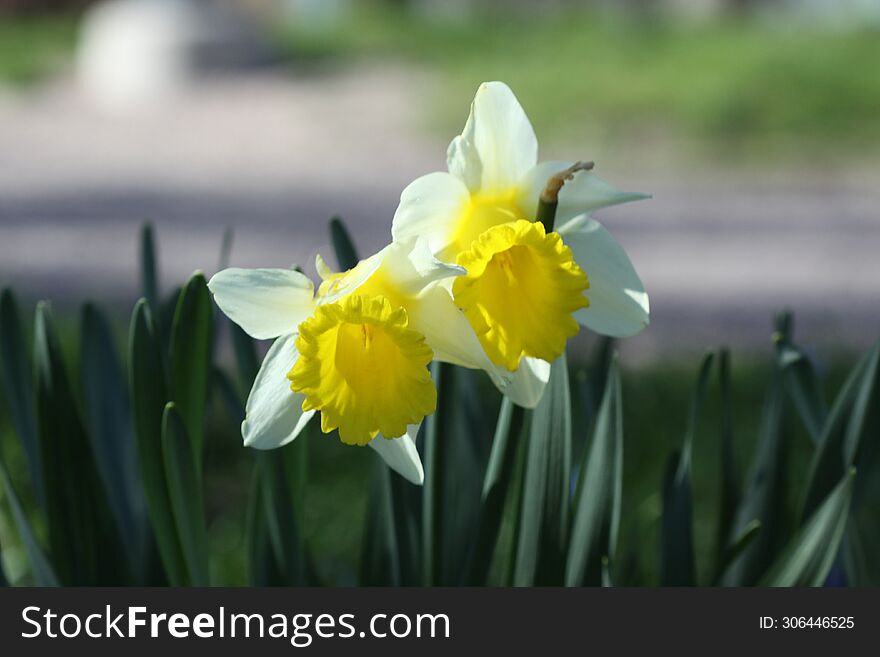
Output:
[[736, 88], [32, 47], [744, 89]]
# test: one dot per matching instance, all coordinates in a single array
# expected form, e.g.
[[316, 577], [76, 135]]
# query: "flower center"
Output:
[[520, 292], [364, 369], [482, 212]]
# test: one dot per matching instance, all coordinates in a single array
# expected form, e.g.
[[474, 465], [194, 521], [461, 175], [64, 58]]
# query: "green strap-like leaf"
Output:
[[465, 448], [149, 270], [764, 495], [607, 581], [802, 385], [598, 496], [545, 508], [18, 387], [185, 492], [809, 556], [677, 565], [4, 582], [854, 417], [108, 416], [496, 485], [246, 361], [730, 482], [346, 253], [41, 569], [736, 548], [82, 538], [380, 557], [283, 474], [860, 570], [436, 430], [190, 356], [594, 382], [229, 394], [261, 567], [149, 396]]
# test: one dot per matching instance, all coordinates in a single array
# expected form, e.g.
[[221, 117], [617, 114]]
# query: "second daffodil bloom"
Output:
[[357, 352], [526, 289]]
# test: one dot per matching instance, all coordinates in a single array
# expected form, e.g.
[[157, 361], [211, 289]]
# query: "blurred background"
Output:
[[754, 123]]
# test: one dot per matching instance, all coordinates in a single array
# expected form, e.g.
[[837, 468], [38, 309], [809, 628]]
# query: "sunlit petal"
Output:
[[265, 303], [401, 454], [618, 301], [274, 414]]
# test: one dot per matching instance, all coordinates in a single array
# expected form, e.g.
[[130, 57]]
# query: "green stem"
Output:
[[549, 200], [436, 430]]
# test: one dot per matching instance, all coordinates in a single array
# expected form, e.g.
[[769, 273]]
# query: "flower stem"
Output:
[[549, 200]]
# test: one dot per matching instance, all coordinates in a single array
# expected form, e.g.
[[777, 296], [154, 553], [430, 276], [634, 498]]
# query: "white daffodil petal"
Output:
[[500, 134], [584, 193], [354, 278], [274, 414], [265, 303], [529, 381], [429, 208], [463, 160], [411, 266], [618, 301], [401, 454], [450, 335]]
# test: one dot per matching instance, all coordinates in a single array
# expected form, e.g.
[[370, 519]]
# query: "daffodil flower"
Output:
[[526, 290], [357, 352]]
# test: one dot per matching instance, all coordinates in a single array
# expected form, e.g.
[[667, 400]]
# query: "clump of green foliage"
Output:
[[119, 484]]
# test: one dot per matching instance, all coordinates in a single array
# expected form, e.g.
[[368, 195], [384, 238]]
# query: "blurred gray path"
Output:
[[274, 157]]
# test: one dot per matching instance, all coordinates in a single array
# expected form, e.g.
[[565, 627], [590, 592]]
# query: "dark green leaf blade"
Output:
[[149, 396], [730, 482], [190, 355], [261, 568], [380, 556], [764, 494], [677, 564], [185, 492], [736, 548], [246, 361], [108, 416], [18, 387], [598, 496], [283, 478], [845, 430], [149, 270], [436, 430], [809, 556], [802, 385], [545, 510], [82, 537], [496, 484], [41, 568], [346, 253]]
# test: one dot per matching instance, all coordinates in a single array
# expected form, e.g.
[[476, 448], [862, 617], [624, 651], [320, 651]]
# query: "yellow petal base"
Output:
[[520, 292], [480, 213], [363, 369]]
